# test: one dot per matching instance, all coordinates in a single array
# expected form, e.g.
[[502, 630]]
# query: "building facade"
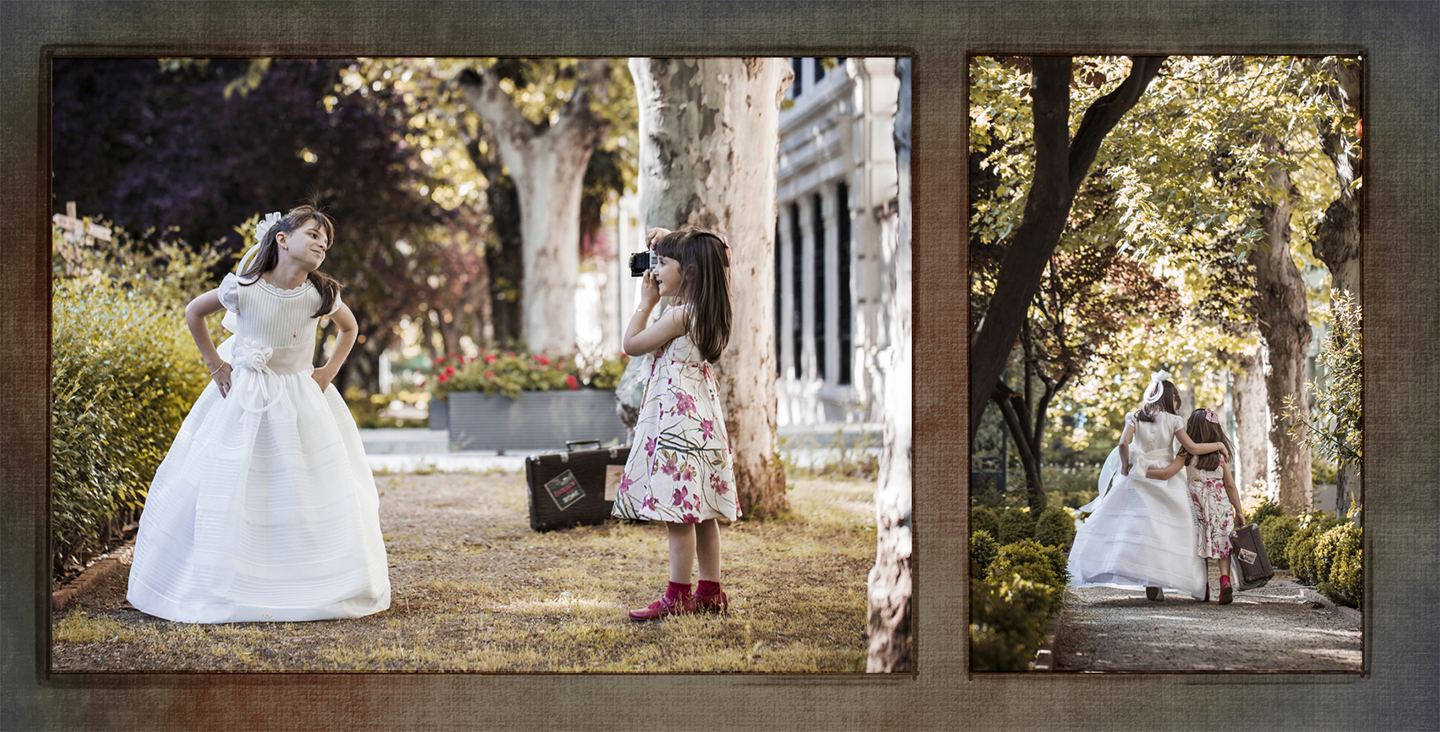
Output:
[[835, 234]]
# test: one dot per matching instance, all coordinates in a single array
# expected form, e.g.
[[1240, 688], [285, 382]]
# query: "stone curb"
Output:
[[1348, 614], [91, 576], [1045, 655]]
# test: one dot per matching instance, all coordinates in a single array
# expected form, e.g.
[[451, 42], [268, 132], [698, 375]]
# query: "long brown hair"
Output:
[[269, 255], [1201, 429], [1169, 402], [705, 285]]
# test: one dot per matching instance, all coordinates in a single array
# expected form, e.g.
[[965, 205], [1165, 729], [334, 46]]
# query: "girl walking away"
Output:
[[1213, 496], [265, 509], [1140, 532], [680, 470]]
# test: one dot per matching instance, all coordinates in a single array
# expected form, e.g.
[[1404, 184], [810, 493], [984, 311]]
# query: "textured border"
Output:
[[1398, 38]]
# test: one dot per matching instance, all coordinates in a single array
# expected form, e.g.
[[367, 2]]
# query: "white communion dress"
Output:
[[264, 509], [1141, 532]]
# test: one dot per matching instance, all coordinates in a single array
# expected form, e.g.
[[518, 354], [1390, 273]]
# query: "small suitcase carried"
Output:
[[1248, 559], [574, 487]]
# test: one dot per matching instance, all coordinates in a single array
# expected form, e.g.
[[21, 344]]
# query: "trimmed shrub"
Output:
[[1275, 533], [1301, 550], [1008, 620], [1346, 574], [1032, 561], [1055, 527], [1016, 524], [983, 550], [1265, 510], [124, 373], [984, 518]]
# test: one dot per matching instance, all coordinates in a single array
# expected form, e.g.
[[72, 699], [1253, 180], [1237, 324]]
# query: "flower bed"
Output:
[[504, 400]]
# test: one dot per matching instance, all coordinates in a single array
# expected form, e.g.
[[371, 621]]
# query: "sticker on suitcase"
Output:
[[1248, 556], [564, 490]]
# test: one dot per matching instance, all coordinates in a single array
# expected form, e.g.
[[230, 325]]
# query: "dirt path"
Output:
[[1274, 628], [473, 589]]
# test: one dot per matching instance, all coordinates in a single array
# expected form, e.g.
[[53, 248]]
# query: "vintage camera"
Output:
[[642, 262]]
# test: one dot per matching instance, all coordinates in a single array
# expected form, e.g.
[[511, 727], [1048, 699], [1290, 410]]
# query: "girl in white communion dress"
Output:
[[1141, 532], [265, 509]]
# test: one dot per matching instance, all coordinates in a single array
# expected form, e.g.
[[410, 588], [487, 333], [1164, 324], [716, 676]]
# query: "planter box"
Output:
[[538, 420]]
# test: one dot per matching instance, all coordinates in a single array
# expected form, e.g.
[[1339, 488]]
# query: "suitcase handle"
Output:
[[570, 444]]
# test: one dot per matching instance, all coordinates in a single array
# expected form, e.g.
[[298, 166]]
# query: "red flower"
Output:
[[440, 360], [490, 358], [573, 382], [510, 354], [559, 367], [489, 374], [449, 369], [442, 378], [543, 361], [422, 382]]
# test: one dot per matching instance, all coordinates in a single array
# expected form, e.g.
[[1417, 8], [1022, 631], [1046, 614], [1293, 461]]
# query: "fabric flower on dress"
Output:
[[690, 518], [649, 503], [707, 428], [718, 484], [650, 447], [625, 483], [669, 468], [680, 496], [687, 475], [249, 354]]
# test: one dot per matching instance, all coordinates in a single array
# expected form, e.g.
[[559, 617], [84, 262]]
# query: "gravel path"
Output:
[[1276, 628]]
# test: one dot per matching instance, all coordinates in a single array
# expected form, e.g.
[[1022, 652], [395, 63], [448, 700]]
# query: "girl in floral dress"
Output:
[[264, 508], [1213, 497], [680, 469]]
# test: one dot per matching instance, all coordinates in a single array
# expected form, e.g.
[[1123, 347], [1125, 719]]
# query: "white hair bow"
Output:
[[1157, 386]]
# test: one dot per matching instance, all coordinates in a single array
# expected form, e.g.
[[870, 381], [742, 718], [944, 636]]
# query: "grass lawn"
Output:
[[474, 589]]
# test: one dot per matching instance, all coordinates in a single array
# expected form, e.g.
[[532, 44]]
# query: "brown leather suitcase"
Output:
[[574, 487], [1248, 559]]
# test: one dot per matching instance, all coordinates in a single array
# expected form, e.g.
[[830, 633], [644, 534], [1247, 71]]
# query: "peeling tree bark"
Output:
[[709, 143], [1284, 323], [890, 578], [547, 164], [1060, 166]]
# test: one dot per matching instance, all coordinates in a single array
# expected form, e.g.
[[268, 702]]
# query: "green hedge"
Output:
[[1016, 524], [983, 550], [1275, 534], [1011, 604], [1032, 561], [984, 518], [1340, 553], [124, 373], [1265, 510], [1055, 527], [1008, 621], [1301, 551]]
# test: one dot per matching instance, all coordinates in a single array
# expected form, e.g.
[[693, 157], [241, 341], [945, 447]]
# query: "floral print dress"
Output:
[[1214, 516], [680, 469]]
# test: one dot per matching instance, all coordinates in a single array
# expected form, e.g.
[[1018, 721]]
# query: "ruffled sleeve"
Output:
[[229, 290], [334, 307]]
